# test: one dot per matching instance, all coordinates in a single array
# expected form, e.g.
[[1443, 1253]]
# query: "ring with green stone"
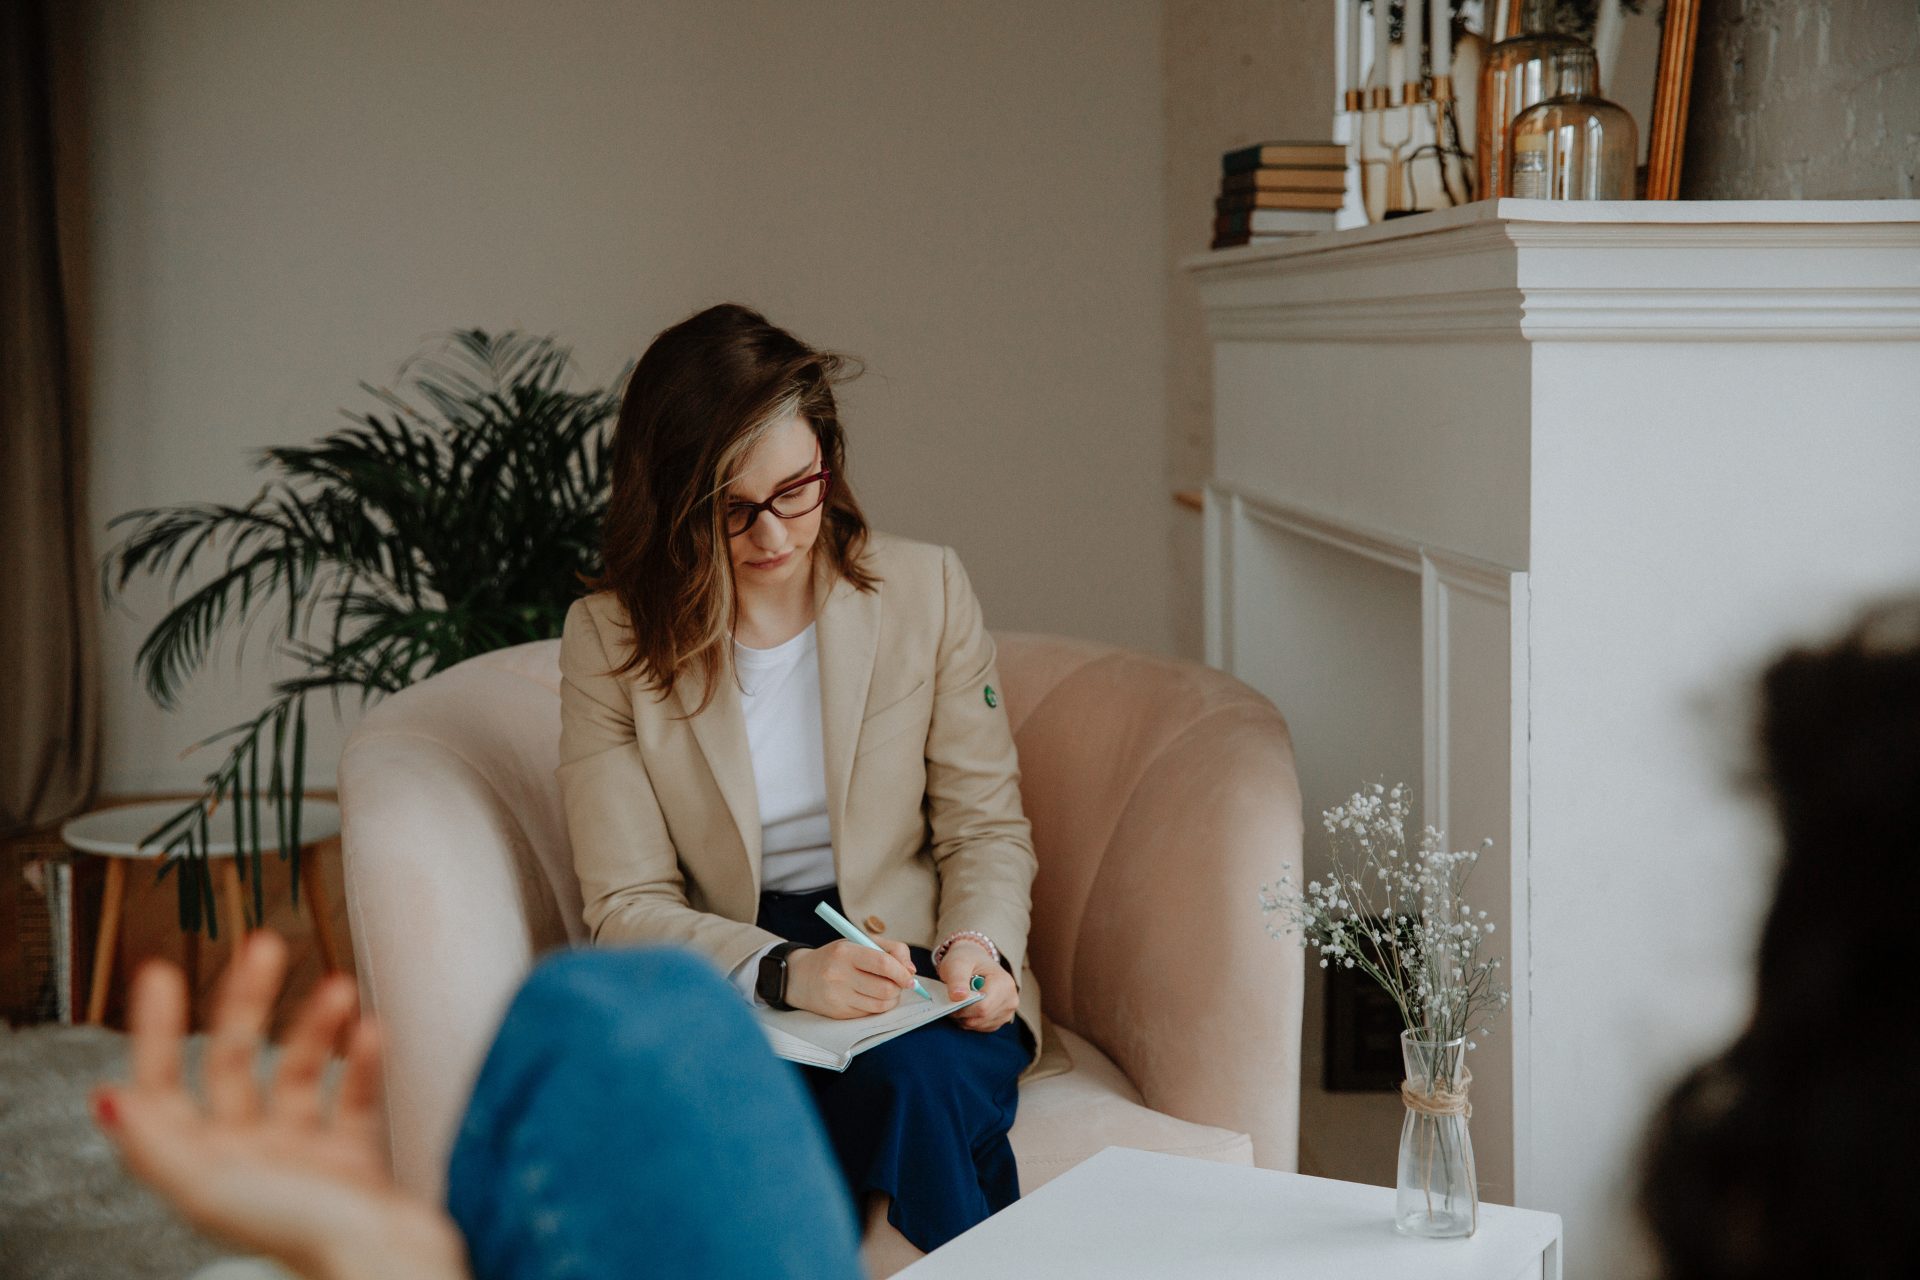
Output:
[[979, 981]]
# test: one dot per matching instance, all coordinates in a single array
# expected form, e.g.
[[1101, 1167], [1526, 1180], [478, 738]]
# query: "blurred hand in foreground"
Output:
[[271, 1171]]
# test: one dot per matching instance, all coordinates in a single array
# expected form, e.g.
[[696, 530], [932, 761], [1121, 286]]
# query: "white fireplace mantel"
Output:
[[1512, 500], [1547, 271]]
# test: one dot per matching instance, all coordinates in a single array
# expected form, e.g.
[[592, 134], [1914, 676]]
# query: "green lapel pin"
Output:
[[993, 699]]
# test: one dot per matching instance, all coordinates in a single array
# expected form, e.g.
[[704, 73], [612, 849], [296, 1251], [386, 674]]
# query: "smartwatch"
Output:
[[771, 984]]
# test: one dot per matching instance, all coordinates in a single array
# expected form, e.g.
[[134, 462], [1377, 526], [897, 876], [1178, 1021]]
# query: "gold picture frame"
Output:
[[1672, 86]]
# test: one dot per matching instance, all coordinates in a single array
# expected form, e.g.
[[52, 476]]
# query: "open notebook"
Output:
[[817, 1041]]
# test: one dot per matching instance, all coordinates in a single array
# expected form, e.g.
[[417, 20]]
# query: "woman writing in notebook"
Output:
[[766, 706]]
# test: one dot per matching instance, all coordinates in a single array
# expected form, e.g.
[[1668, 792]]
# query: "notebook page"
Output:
[[802, 1036]]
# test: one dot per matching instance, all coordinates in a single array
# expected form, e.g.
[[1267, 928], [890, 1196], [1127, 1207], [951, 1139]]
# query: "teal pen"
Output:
[[846, 929]]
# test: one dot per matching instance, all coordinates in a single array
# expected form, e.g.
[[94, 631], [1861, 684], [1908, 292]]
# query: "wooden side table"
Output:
[[115, 833], [1127, 1213]]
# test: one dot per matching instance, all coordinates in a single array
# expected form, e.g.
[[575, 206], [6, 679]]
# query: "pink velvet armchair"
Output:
[[1161, 792]]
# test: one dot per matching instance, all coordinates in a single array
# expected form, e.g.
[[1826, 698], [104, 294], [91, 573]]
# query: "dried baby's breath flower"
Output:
[[1398, 915]]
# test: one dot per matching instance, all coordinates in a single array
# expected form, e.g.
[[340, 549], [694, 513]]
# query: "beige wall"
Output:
[[291, 197], [1237, 72]]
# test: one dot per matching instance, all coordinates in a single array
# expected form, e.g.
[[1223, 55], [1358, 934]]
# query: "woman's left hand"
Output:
[[998, 998]]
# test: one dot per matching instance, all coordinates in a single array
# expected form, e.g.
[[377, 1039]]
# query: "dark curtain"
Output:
[[49, 620]]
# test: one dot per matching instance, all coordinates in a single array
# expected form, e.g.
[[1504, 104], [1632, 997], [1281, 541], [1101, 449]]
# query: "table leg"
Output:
[[233, 903], [313, 884], [108, 939]]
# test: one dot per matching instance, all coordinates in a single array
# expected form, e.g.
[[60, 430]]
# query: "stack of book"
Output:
[[1276, 189]]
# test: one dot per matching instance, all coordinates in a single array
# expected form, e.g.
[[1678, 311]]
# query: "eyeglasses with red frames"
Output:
[[792, 501]]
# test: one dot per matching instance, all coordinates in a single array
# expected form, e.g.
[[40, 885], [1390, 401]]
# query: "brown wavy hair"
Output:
[[705, 392]]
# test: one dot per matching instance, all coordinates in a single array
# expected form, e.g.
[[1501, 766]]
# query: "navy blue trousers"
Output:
[[924, 1117]]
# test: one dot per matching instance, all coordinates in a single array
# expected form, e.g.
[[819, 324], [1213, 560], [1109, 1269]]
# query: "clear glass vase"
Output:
[[1435, 1193], [1575, 145]]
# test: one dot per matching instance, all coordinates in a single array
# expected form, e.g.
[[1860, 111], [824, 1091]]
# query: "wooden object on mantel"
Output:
[[1513, 500]]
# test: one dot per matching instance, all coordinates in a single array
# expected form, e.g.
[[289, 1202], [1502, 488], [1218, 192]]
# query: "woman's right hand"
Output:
[[846, 980]]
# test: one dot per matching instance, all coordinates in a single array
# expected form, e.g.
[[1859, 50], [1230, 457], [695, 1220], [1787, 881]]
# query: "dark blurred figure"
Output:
[[1796, 1152]]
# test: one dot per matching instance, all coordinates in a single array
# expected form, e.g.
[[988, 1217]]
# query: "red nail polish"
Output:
[[104, 1110]]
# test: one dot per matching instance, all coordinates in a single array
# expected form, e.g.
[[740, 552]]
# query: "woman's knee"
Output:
[[604, 994], [605, 1025]]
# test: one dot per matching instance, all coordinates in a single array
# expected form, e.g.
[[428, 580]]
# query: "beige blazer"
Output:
[[923, 786]]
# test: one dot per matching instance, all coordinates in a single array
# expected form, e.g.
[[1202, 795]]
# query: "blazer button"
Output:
[[876, 925]]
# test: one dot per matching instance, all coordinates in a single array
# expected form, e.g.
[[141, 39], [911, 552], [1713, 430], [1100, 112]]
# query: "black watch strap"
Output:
[[771, 982]]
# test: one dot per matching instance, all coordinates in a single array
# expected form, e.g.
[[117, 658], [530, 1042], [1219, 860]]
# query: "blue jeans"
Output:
[[630, 1120]]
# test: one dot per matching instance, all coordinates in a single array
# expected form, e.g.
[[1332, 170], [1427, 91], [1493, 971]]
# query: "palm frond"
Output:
[[454, 516], [180, 641]]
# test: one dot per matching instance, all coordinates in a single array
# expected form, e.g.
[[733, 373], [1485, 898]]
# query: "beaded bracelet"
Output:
[[940, 952]]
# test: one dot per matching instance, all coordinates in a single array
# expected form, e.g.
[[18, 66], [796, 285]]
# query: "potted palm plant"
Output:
[[456, 515]]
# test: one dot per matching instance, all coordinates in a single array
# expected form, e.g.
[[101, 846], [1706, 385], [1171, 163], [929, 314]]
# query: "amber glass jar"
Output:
[[1519, 71], [1574, 145]]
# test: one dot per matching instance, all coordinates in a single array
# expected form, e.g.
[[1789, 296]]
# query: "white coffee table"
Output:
[[115, 834], [1140, 1213]]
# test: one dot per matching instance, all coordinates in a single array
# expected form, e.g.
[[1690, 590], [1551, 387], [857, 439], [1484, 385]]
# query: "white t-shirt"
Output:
[[780, 696]]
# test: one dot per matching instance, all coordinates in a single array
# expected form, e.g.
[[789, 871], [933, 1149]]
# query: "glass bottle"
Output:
[[1574, 145], [1519, 71], [1435, 1192]]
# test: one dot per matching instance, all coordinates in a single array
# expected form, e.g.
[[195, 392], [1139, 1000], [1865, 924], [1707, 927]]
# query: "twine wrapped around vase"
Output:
[[1439, 1100]]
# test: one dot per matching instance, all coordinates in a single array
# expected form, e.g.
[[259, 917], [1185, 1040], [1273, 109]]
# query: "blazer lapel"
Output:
[[721, 731], [848, 622]]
